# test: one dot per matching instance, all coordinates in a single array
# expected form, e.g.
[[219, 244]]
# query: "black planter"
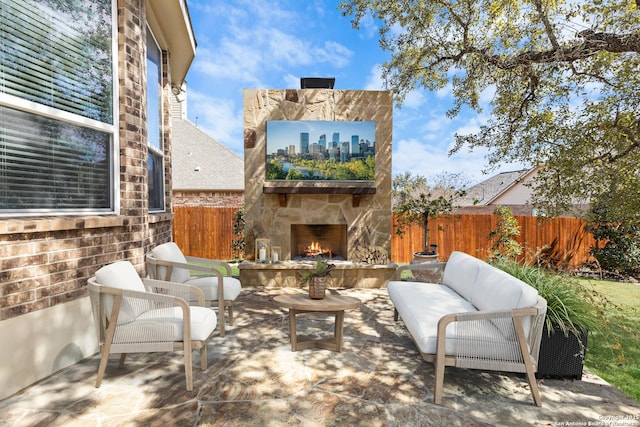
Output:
[[561, 356]]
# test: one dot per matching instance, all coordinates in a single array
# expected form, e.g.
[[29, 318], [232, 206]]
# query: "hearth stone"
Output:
[[286, 274]]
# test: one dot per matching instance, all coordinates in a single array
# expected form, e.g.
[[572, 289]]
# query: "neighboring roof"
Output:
[[199, 162], [484, 193]]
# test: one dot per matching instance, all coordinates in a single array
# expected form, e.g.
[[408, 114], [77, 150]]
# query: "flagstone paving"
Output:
[[254, 379]]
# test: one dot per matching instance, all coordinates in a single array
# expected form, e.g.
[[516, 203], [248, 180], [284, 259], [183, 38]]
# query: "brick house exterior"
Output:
[[46, 322]]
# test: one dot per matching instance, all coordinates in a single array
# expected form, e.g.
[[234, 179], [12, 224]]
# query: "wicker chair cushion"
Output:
[[209, 286], [122, 275], [171, 252], [167, 323]]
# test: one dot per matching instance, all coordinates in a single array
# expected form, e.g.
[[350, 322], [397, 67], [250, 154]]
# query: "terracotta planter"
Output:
[[429, 276], [317, 286]]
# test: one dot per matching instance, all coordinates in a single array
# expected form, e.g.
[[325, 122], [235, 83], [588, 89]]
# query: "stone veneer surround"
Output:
[[270, 209]]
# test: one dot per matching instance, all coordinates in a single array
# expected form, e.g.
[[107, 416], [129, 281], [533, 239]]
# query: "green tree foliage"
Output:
[[562, 75], [503, 238], [415, 199], [621, 250]]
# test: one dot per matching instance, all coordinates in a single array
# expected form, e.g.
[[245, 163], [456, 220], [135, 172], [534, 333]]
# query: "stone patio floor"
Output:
[[254, 379]]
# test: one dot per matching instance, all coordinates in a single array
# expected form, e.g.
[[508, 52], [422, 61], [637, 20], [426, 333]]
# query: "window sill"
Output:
[[39, 225], [155, 218]]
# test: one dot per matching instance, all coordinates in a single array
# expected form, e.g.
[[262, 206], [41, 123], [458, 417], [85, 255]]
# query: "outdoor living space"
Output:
[[254, 379]]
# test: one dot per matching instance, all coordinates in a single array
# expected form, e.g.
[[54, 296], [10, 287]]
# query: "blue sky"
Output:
[[272, 43]]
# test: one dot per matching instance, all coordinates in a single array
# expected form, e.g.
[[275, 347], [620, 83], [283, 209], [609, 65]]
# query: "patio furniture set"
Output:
[[478, 317]]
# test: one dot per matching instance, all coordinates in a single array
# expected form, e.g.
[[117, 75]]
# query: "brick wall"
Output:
[[45, 261], [208, 198]]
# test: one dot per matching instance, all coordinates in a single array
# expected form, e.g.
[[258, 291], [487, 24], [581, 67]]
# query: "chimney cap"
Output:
[[317, 82]]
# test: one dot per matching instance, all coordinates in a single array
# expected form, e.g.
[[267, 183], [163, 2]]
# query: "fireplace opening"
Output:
[[312, 241]]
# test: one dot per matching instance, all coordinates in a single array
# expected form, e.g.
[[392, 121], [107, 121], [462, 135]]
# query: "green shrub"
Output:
[[571, 306], [503, 239], [621, 252]]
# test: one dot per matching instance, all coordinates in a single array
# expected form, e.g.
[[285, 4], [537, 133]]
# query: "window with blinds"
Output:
[[56, 106], [154, 129]]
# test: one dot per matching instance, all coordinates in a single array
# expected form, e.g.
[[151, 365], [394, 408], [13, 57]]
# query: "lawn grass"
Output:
[[614, 353]]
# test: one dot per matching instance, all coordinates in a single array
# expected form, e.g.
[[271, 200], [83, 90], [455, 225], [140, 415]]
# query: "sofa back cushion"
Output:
[[121, 275], [460, 273], [171, 252], [496, 290]]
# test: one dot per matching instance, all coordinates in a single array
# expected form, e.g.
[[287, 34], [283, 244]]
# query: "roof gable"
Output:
[[199, 162], [485, 192]]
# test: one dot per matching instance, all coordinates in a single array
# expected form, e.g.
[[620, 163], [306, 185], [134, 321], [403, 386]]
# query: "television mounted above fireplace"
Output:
[[320, 151]]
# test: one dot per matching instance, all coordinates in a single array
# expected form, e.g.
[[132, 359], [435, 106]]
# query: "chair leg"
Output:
[[526, 358], [439, 383], [203, 356], [188, 374], [533, 384], [122, 357], [103, 364], [221, 316], [230, 309], [106, 347]]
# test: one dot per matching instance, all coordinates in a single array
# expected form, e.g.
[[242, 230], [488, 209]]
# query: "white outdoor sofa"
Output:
[[478, 317]]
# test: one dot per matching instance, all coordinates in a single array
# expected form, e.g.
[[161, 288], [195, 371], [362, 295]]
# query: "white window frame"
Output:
[[157, 151], [21, 104]]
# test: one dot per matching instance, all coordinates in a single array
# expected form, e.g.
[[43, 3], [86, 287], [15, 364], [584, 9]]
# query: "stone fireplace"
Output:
[[354, 215]]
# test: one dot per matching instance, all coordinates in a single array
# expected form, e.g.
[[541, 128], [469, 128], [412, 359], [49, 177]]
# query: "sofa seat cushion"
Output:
[[422, 305], [167, 324], [209, 286]]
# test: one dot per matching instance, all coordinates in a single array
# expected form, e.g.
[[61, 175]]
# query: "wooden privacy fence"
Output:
[[207, 232], [561, 242]]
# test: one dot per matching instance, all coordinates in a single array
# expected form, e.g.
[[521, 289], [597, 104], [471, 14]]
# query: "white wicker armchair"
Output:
[[167, 262], [134, 315]]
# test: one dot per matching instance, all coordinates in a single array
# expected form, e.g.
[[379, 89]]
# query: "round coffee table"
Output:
[[331, 304]]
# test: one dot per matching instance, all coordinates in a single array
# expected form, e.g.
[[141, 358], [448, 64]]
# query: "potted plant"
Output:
[[572, 311], [415, 201], [317, 278]]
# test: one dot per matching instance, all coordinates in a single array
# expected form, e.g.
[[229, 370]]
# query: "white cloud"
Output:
[[368, 27], [266, 39], [374, 79], [291, 81], [414, 99], [218, 118]]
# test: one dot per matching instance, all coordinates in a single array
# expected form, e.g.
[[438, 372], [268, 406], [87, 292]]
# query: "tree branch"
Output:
[[592, 44]]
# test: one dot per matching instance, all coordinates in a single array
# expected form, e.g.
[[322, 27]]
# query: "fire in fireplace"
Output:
[[310, 241], [315, 250]]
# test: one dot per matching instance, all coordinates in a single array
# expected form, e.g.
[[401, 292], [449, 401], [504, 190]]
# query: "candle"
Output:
[[263, 254], [275, 257]]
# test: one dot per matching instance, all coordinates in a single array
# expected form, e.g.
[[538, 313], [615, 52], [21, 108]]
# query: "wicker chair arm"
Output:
[[119, 294], [209, 264], [179, 290]]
